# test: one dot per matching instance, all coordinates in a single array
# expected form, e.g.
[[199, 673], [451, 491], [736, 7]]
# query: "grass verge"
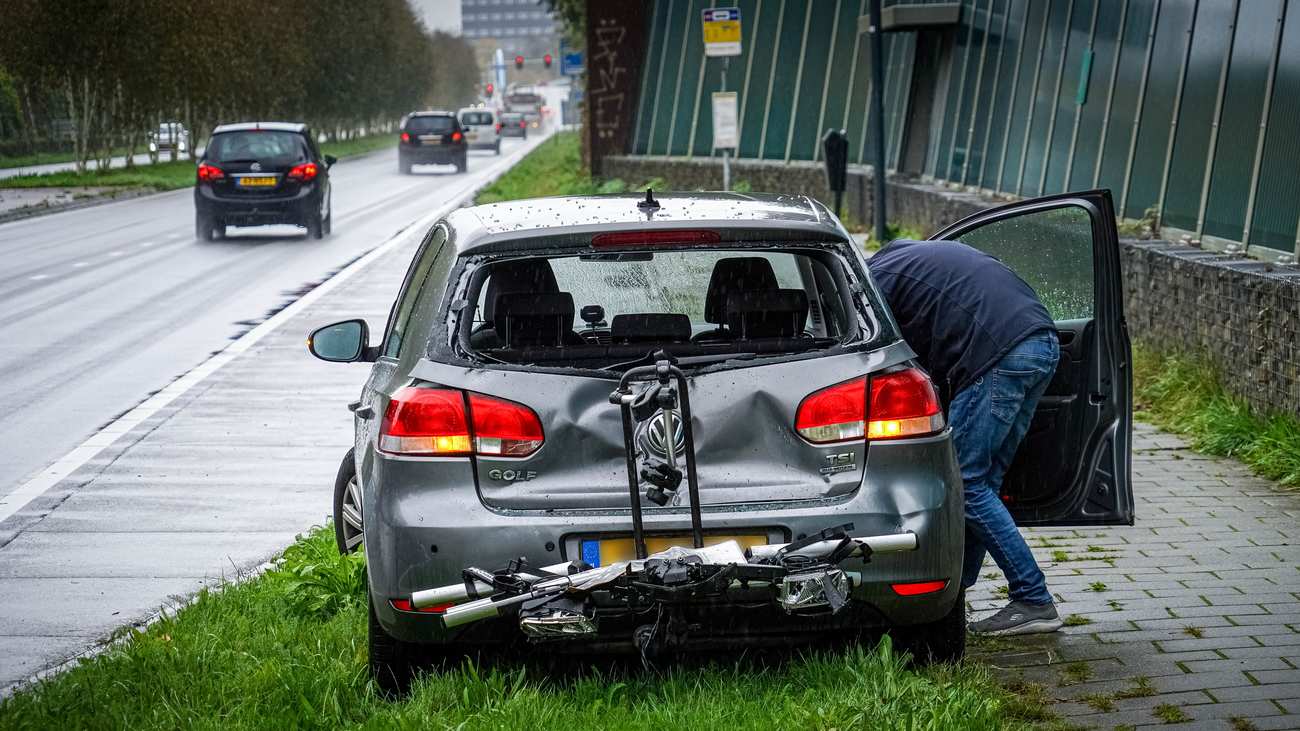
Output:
[[170, 175], [553, 168], [287, 649], [1185, 396]]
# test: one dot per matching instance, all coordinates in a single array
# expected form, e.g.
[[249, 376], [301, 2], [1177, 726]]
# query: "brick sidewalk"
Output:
[[1190, 618]]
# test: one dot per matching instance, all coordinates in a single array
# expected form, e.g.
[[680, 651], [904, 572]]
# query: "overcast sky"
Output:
[[443, 15]]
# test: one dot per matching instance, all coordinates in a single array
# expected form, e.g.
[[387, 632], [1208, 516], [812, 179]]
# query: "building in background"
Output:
[[1184, 108], [519, 28]]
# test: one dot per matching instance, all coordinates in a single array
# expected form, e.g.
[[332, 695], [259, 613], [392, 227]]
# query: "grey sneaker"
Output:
[[1019, 618]]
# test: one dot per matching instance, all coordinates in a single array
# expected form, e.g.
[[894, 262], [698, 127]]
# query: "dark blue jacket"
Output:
[[960, 309]]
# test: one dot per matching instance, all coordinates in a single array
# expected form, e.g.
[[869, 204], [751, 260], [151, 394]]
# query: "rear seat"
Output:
[[777, 313], [531, 319]]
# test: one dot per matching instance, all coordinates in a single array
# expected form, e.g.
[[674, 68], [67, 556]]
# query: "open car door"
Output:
[[1073, 465]]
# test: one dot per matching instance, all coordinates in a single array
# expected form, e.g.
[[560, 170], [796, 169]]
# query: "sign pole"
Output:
[[726, 151], [878, 114]]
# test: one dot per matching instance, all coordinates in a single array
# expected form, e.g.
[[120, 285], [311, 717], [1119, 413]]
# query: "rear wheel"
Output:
[[461, 164], [403, 166], [315, 226], [328, 223], [943, 640], [392, 662], [205, 227], [347, 507], [497, 149]]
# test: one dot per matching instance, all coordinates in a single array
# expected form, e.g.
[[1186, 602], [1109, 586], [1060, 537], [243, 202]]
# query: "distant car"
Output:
[[534, 119], [167, 137], [256, 173], [514, 125], [482, 130], [497, 440], [432, 138]]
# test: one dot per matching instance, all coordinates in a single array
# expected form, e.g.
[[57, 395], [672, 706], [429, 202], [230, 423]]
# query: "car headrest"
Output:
[[736, 274], [776, 313], [650, 327], [522, 320], [531, 276]]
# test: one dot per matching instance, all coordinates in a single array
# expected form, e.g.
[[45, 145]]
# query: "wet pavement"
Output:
[[1190, 616]]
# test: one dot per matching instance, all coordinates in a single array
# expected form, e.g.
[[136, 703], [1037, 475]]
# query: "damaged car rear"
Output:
[[618, 423]]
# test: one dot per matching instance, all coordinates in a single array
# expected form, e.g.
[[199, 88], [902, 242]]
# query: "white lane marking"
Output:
[[82, 264], [38, 277], [115, 253], [87, 450], [145, 244], [174, 236]]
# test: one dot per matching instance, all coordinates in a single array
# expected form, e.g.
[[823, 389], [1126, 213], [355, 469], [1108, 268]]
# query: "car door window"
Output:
[[416, 278], [1052, 251]]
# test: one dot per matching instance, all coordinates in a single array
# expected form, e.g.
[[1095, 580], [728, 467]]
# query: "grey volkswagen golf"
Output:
[[663, 424]]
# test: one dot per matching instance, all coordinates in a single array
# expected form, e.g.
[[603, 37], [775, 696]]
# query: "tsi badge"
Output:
[[838, 462], [511, 475]]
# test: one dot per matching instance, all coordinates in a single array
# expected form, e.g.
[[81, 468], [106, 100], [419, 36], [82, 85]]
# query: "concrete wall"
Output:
[[1241, 315]]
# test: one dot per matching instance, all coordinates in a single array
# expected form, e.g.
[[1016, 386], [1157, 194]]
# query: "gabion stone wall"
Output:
[[1241, 315]]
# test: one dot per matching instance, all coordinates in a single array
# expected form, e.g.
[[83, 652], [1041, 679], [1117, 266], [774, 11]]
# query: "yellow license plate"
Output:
[[605, 551], [256, 182], [431, 139]]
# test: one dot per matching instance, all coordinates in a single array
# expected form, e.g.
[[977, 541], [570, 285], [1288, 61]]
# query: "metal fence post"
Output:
[[877, 110], [1137, 115], [1078, 107], [1265, 110], [1173, 119], [997, 75], [1011, 106], [1110, 96], [1056, 97], [1033, 94], [1218, 117], [979, 84]]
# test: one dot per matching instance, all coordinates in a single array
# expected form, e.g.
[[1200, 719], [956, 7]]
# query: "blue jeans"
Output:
[[989, 418]]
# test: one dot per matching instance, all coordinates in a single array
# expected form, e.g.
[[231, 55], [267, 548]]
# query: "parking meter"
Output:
[[835, 147]]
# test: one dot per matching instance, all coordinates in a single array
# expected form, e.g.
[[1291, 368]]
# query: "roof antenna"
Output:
[[649, 202]]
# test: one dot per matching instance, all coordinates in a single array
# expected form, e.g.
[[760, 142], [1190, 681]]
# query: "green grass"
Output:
[[1076, 620], [1169, 713], [169, 175], [287, 649], [1185, 396]]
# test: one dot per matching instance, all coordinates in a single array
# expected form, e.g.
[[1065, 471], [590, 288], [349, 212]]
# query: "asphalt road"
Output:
[[102, 306]]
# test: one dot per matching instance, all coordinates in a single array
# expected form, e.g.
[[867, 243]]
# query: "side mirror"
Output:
[[330, 160], [343, 342]]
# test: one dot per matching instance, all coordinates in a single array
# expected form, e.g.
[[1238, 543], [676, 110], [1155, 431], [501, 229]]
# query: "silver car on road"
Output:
[[512, 418]]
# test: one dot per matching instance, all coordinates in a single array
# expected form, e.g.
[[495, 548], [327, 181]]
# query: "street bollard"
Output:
[[835, 148]]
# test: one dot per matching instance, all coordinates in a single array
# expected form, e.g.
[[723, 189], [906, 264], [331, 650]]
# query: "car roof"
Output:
[[548, 222], [274, 126], [474, 109], [430, 114]]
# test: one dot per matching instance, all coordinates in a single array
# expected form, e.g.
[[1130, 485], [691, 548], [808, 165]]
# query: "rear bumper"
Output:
[[294, 209], [432, 154], [419, 536]]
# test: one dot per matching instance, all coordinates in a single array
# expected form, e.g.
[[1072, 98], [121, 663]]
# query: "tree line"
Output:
[[109, 71]]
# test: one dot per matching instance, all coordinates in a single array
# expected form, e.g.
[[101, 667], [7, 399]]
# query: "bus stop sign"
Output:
[[722, 32]]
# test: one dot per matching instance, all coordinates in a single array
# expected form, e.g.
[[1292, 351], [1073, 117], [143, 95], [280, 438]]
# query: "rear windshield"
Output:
[[598, 310], [257, 145], [431, 125], [478, 118]]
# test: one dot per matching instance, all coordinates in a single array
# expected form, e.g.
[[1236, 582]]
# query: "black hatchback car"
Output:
[[256, 173], [432, 138]]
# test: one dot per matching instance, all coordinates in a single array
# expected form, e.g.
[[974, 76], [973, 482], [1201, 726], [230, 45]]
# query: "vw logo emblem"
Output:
[[255, 167], [654, 436]]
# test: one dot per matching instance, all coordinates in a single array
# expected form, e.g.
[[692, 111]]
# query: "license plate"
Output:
[[263, 181], [605, 551], [431, 139]]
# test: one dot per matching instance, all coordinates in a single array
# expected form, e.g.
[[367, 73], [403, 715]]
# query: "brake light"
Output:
[[522, 125], [455, 137], [304, 172], [654, 238], [406, 137], [498, 126], [209, 173], [902, 404], [504, 428], [434, 422], [920, 587]]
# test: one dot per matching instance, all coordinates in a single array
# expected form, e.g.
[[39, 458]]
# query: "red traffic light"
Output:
[[519, 62], [489, 89], [547, 60]]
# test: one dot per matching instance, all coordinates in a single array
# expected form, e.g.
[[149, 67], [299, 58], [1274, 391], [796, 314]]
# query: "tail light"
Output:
[[902, 404], [523, 125], [498, 126], [404, 605], [406, 137], [209, 173], [435, 422], [304, 172], [455, 136], [918, 588]]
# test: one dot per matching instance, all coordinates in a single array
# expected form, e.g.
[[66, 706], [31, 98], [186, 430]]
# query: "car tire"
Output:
[[204, 227], [315, 226], [940, 641], [347, 507], [497, 149], [327, 225], [393, 663], [403, 166], [462, 164]]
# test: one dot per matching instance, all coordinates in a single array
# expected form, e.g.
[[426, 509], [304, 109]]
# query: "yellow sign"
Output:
[[722, 32]]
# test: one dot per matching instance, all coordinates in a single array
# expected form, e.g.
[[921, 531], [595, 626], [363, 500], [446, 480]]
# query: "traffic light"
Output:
[[546, 60], [519, 62], [489, 89]]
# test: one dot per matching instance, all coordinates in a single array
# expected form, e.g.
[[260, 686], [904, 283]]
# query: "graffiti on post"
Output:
[[615, 52]]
